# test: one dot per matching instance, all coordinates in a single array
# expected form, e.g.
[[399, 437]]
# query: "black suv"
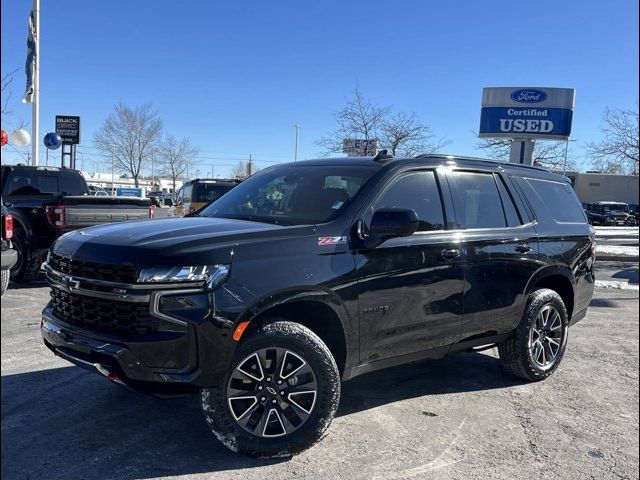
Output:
[[611, 214], [314, 272]]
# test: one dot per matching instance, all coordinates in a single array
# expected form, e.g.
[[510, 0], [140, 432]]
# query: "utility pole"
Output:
[[113, 190], [297, 127], [211, 169], [250, 166], [35, 102]]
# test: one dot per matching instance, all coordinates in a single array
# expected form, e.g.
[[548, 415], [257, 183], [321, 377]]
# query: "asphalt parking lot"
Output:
[[458, 417]]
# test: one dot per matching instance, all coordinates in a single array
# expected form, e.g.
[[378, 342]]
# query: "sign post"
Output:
[[524, 115], [68, 127]]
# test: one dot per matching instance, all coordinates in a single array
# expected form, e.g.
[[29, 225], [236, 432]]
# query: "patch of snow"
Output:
[[622, 250], [616, 232], [615, 285]]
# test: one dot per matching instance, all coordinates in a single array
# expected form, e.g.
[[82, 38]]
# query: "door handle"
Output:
[[523, 248], [450, 254]]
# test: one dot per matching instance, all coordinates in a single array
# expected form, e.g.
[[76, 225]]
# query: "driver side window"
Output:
[[417, 191]]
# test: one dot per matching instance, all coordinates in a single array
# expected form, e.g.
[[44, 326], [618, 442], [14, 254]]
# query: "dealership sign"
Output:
[[68, 127], [360, 148], [544, 113]]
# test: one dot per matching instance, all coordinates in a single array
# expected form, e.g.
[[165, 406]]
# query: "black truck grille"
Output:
[[122, 319], [95, 271]]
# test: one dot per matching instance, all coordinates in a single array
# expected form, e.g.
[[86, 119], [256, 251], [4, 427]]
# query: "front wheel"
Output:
[[535, 349], [280, 394]]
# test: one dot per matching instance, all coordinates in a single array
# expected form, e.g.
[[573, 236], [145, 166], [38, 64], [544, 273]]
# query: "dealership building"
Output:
[[594, 187]]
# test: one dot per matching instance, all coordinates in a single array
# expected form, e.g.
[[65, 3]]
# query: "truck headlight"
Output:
[[213, 275]]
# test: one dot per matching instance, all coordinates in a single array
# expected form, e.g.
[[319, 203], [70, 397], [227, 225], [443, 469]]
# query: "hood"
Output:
[[169, 241]]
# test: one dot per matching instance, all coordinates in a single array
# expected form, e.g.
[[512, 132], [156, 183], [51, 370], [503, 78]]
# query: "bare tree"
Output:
[[403, 134], [547, 154], [244, 169], [131, 135], [240, 171], [175, 157], [617, 152], [359, 119], [7, 79]]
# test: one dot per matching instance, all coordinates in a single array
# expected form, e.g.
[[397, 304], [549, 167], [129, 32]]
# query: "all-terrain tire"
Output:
[[516, 354], [301, 341], [4, 281], [29, 261]]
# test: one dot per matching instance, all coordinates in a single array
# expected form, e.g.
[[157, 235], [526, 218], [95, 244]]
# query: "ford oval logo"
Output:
[[528, 95]]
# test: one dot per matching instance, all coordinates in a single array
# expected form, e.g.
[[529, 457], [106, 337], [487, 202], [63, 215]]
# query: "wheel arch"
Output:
[[558, 279], [317, 310]]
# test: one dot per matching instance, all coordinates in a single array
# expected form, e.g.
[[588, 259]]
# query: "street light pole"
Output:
[[297, 127]]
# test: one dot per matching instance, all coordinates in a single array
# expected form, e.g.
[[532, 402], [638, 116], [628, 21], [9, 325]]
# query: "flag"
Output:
[[31, 59]]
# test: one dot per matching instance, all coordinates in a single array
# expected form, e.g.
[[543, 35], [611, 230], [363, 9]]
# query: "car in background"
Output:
[[46, 202], [9, 255], [611, 214], [195, 194], [98, 191]]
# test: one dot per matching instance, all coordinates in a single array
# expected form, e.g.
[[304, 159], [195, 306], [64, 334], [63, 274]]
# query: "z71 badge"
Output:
[[324, 241]]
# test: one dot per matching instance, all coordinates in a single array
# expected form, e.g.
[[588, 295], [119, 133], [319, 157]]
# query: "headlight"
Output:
[[214, 275]]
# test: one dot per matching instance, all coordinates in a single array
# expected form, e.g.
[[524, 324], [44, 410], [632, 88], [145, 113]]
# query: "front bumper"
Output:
[[194, 356]]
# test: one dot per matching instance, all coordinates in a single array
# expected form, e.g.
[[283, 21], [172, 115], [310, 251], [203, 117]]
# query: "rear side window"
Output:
[[416, 191], [29, 181], [476, 200], [72, 183], [560, 200], [208, 192]]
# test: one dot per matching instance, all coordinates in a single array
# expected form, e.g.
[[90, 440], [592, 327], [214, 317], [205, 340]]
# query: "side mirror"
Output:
[[390, 223]]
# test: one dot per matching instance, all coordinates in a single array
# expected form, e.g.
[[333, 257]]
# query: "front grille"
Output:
[[122, 319], [95, 271]]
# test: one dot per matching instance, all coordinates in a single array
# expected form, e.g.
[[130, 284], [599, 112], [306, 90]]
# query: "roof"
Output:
[[431, 158], [213, 180]]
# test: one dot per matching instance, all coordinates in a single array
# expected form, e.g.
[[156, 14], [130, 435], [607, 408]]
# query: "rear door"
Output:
[[410, 288], [501, 246]]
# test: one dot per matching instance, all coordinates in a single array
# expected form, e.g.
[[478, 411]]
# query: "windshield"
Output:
[[621, 207], [292, 195], [208, 192]]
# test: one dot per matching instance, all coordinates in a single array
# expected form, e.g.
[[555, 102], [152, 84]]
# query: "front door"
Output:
[[410, 288]]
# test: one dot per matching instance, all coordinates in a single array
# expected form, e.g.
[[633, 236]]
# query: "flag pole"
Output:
[[35, 105]]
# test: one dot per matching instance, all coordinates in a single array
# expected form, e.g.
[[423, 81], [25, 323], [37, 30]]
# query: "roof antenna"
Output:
[[382, 155]]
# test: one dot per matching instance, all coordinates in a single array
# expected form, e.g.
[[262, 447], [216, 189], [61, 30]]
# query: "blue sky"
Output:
[[236, 76]]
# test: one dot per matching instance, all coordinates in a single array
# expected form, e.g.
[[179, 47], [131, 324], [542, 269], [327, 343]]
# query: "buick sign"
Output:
[[528, 96]]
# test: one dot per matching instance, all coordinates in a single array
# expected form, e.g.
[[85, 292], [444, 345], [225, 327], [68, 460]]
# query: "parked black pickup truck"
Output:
[[610, 214], [46, 202], [9, 256], [313, 272]]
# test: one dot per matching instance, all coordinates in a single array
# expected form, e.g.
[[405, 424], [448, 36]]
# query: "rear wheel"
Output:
[[534, 351], [29, 260], [280, 394], [4, 281]]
